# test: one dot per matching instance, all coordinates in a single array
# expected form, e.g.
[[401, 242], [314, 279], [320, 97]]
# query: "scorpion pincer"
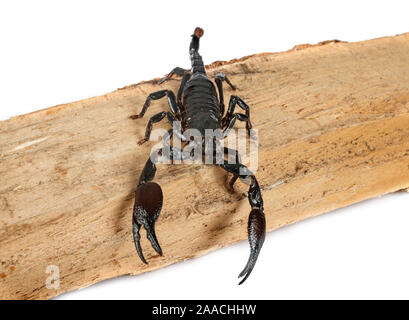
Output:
[[196, 106]]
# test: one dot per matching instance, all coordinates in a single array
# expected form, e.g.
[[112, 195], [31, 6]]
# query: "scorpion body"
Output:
[[197, 106]]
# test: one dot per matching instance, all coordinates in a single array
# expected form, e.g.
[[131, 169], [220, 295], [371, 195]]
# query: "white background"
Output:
[[54, 52]]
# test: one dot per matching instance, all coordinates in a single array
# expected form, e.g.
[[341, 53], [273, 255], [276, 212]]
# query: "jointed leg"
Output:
[[156, 96], [235, 100], [186, 77], [178, 71], [256, 223], [229, 152], [240, 117], [219, 78], [156, 118]]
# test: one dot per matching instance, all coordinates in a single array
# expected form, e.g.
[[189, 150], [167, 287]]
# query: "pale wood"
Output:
[[333, 121]]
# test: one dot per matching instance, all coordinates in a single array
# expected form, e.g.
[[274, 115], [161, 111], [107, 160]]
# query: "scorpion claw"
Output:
[[137, 239], [151, 235], [148, 203], [257, 233]]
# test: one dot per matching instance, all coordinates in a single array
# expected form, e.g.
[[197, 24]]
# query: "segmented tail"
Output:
[[195, 57]]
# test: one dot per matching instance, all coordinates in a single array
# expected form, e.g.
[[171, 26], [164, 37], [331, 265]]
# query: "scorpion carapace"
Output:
[[196, 106]]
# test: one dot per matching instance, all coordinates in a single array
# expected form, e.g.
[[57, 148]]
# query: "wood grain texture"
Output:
[[333, 123]]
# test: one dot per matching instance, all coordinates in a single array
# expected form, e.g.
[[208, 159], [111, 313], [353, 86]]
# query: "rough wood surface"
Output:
[[333, 121]]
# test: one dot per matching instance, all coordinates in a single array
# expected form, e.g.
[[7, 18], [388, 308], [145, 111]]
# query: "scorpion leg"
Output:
[[241, 117], [219, 78], [156, 118], [229, 152], [148, 201], [186, 77], [256, 223], [156, 96], [235, 100], [178, 71]]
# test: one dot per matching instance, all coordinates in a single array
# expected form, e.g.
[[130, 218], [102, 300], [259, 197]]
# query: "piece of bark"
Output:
[[333, 123]]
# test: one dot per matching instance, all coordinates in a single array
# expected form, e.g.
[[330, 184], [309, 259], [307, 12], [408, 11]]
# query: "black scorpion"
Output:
[[196, 106]]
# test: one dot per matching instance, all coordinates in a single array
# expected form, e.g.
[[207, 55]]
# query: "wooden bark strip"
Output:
[[333, 122]]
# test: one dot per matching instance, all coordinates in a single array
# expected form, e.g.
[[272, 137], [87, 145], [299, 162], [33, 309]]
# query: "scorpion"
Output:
[[196, 106]]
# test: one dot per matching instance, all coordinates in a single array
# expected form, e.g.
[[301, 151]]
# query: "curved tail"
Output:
[[195, 57]]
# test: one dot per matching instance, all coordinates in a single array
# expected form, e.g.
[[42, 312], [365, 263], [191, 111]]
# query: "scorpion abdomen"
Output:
[[201, 105]]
